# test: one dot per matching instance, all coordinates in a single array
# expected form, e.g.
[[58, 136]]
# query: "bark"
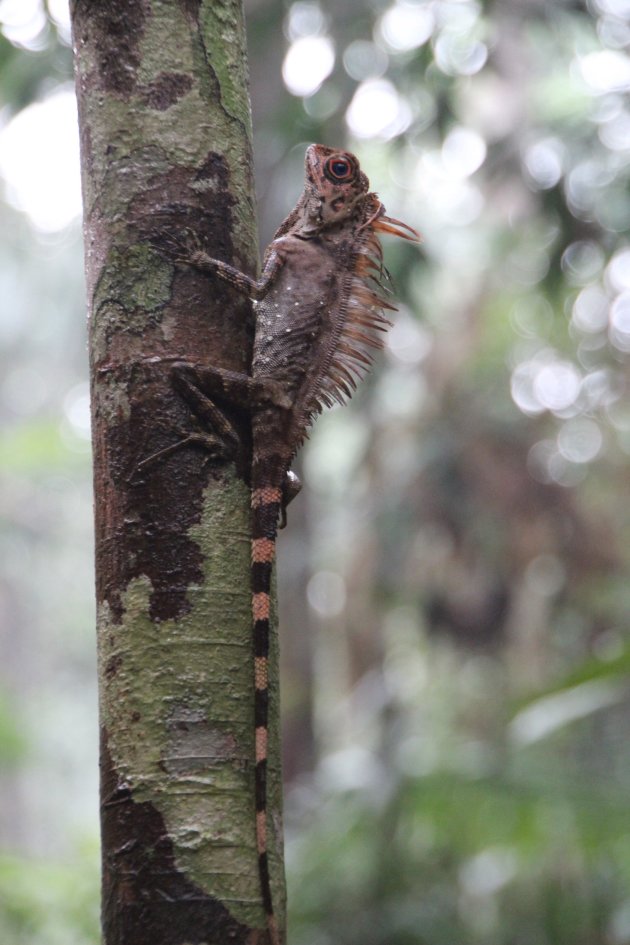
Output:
[[166, 148]]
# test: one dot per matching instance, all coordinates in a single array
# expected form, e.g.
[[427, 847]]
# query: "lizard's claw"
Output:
[[182, 246], [291, 485], [214, 447]]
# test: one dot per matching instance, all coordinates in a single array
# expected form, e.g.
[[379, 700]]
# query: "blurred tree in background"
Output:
[[454, 582]]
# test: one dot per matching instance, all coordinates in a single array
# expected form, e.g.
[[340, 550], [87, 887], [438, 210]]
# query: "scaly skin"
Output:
[[319, 311]]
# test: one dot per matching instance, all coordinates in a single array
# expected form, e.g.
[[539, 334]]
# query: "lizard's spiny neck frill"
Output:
[[360, 320]]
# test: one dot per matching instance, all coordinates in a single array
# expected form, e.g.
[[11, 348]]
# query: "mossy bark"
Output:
[[166, 150]]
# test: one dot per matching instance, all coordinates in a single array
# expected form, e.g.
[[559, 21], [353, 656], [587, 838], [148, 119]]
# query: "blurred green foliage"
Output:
[[453, 580], [11, 741], [50, 902]]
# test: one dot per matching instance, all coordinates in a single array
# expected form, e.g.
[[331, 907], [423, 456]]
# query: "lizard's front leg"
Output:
[[253, 288]]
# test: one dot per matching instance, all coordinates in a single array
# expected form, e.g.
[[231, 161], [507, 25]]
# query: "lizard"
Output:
[[319, 315]]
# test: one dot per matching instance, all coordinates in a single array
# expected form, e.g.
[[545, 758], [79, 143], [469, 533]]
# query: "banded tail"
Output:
[[266, 503]]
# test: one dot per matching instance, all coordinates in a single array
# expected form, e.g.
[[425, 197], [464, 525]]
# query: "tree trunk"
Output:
[[166, 150]]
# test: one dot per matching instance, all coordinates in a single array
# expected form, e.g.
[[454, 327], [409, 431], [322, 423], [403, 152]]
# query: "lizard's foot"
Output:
[[189, 382], [291, 485], [182, 247], [213, 445]]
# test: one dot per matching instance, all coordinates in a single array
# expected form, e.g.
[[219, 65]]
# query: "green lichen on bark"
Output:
[[223, 32], [179, 708], [140, 277]]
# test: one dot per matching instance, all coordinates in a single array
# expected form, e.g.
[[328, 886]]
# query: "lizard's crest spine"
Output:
[[359, 319]]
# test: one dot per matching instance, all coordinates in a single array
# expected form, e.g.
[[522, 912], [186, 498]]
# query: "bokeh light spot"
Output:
[[582, 261], [545, 383], [580, 440], [543, 163], [308, 62], [406, 26], [23, 22], [618, 271], [620, 322], [463, 152], [457, 54], [365, 60], [305, 19], [408, 341], [377, 110], [557, 385], [606, 70], [326, 593], [44, 181]]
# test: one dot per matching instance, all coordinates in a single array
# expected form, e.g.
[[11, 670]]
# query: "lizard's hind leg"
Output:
[[212, 444], [218, 437], [189, 382], [239, 390]]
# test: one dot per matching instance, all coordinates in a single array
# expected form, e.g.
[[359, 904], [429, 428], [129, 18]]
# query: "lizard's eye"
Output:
[[339, 169]]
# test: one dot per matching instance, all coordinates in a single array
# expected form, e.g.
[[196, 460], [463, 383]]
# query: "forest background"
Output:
[[453, 580]]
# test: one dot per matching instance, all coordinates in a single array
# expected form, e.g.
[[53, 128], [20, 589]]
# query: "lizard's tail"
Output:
[[266, 502]]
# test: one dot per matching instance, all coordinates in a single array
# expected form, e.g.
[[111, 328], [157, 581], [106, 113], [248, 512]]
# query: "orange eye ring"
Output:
[[339, 169]]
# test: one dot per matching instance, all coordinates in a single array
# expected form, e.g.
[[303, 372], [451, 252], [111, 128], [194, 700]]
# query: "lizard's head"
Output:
[[335, 188]]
